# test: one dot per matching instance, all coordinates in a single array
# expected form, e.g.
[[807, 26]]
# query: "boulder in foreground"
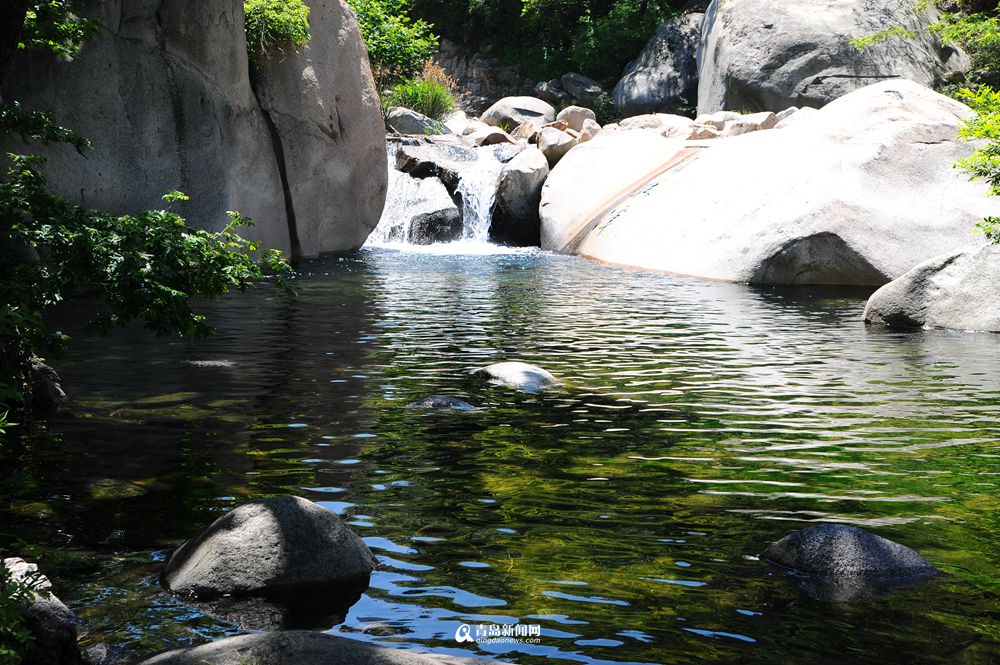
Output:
[[960, 290], [299, 648], [273, 547]]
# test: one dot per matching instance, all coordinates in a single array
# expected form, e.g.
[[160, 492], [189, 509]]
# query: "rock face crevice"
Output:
[[164, 92]]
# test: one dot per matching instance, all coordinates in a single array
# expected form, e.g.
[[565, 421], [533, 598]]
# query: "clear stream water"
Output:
[[621, 513]]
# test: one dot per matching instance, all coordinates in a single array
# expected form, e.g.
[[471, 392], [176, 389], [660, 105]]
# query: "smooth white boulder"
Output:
[[518, 375], [857, 193]]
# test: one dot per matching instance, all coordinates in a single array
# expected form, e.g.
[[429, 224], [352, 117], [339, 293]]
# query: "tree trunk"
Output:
[[11, 24]]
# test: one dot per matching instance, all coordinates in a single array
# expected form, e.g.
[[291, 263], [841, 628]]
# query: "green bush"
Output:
[[15, 638], [397, 45], [275, 24], [984, 162], [429, 97]]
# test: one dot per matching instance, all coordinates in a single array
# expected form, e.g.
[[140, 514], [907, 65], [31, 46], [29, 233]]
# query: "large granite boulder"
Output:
[[519, 192], [274, 547], [960, 290], [300, 648], [164, 92], [839, 562], [324, 106], [53, 626], [664, 78], [510, 112], [855, 194], [760, 55]]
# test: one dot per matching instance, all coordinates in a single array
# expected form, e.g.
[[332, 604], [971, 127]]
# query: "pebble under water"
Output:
[[622, 513]]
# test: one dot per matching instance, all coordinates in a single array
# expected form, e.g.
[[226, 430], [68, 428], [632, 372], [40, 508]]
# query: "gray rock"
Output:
[[445, 162], [584, 90], [300, 648], [551, 92], [53, 625], [416, 202], [519, 192], [518, 375], [273, 547], [442, 403], [842, 562], [510, 112], [958, 290], [664, 78], [433, 227], [323, 104], [164, 92], [760, 55], [555, 143], [405, 121]]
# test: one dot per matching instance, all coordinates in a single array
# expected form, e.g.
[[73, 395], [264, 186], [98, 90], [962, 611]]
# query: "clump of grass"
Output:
[[275, 25], [429, 94]]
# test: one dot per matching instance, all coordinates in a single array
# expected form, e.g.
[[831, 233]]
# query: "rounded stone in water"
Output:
[[842, 562], [521, 376], [270, 547], [442, 403]]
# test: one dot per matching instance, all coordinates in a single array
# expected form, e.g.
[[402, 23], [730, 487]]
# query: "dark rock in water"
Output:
[[103, 654], [276, 548], [299, 648], [46, 389], [52, 624], [443, 225], [841, 562], [442, 403], [520, 376]]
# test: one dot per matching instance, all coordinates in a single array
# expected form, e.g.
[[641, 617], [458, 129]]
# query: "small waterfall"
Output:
[[478, 189], [407, 196]]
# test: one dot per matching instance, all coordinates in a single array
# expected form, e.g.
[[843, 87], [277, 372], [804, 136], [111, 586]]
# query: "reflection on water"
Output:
[[621, 514]]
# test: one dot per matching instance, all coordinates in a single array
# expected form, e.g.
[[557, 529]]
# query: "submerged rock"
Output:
[[299, 648], [442, 403], [960, 290], [273, 547], [521, 376], [841, 562]]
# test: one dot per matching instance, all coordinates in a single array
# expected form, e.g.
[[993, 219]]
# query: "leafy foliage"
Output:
[[397, 44], [275, 24], [53, 25], [893, 32], [430, 93], [984, 162], [979, 35], [551, 37], [15, 594]]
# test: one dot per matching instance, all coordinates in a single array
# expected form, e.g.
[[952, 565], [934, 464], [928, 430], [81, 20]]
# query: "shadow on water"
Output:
[[621, 514]]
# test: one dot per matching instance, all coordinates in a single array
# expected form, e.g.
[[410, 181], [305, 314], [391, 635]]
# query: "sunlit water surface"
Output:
[[621, 513]]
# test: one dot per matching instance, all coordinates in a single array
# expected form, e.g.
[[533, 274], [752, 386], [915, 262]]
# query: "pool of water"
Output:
[[621, 514]]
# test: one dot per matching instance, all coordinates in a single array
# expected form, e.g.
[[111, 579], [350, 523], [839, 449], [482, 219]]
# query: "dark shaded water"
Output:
[[621, 514]]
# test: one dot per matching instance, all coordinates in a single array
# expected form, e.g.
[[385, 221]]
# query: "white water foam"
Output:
[[477, 189]]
